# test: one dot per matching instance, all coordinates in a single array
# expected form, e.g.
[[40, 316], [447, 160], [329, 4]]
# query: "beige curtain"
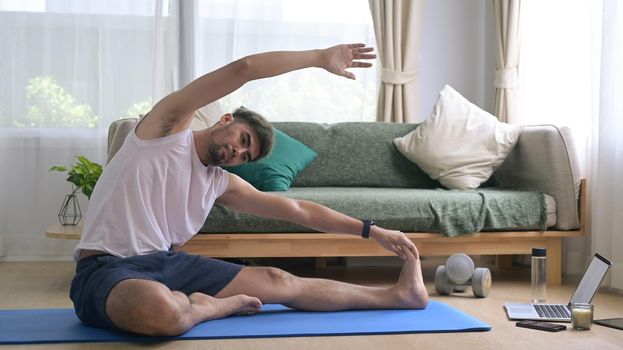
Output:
[[397, 25], [507, 26]]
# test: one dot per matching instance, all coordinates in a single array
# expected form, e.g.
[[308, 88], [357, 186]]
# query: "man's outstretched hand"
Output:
[[337, 58], [394, 241]]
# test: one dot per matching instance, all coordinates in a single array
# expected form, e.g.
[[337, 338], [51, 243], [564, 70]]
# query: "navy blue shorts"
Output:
[[97, 275]]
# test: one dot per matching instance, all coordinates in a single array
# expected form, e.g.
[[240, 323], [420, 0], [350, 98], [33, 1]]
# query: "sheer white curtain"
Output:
[[555, 84], [231, 29], [607, 146], [70, 67], [571, 75]]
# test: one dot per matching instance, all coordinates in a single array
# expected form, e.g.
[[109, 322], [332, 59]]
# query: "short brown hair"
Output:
[[262, 127]]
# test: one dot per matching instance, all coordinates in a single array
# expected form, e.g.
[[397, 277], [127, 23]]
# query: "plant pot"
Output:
[[70, 213]]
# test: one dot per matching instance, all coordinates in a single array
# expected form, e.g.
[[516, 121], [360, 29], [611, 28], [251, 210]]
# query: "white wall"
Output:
[[458, 49]]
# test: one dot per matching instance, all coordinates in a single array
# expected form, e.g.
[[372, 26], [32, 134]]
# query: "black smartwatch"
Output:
[[365, 233]]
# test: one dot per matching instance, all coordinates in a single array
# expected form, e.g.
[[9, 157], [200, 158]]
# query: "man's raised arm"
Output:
[[174, 112]]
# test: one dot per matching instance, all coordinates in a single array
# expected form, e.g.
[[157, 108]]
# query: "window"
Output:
[[74, 63], [555, 65], [84, 63], [232, 29]]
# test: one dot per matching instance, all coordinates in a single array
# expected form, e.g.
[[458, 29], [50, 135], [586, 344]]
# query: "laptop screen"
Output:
[[591, 280]]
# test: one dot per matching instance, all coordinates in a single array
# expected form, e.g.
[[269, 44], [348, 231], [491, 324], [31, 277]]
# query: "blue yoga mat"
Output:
[[62, 325]]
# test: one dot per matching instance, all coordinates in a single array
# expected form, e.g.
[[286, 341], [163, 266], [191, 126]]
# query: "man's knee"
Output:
[[172, 315], [281, 280], [147, 308]]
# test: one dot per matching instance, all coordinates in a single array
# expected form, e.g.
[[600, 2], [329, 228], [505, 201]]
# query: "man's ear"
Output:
[[226, 119]]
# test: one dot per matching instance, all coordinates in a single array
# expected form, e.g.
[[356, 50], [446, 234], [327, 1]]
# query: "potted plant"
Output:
[[83, 176]]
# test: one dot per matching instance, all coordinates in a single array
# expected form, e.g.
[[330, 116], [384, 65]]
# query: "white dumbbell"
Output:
[[458, 273]]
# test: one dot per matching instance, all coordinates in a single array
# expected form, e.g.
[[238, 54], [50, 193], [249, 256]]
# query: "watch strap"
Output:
[[365, 233]]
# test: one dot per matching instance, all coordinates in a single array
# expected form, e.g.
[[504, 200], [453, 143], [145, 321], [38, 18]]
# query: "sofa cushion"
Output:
[[459, 144], [450, 212], [356, 154], [277, 171]]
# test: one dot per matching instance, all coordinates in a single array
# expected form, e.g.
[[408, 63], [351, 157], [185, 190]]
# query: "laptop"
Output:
[[584, 293]]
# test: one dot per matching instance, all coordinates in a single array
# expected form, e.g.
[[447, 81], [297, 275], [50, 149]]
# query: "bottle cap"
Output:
[[539, 252]]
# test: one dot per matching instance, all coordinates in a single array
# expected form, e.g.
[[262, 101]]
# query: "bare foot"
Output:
[[213, 308], [410, 290]]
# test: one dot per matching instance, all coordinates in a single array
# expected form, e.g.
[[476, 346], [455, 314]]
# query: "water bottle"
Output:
[[539, 274]]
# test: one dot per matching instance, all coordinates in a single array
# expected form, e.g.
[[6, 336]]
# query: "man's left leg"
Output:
[[272, 285]]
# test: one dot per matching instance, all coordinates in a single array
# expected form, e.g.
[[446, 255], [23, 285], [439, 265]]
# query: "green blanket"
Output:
[[449, 212]]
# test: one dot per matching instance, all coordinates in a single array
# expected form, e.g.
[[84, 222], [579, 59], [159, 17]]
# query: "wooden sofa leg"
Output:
[[554, 261]]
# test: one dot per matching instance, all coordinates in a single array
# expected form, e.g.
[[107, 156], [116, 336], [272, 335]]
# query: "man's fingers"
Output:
[[414, 250], [361, 65], [364, 56], [399, 251], [354, 46], [410, 246], [348, 75], [362, 51]]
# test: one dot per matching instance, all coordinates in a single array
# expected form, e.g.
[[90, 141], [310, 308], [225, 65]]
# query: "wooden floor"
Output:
[[43, 285]]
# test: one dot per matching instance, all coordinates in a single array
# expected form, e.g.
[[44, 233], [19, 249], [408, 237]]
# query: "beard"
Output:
[[217, 157]]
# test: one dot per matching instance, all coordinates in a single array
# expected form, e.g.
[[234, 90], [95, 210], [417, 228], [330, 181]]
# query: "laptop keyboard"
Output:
[[552, 311]]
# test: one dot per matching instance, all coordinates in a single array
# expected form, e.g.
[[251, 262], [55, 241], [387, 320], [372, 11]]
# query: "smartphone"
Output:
[[542, 326], [611, 322]]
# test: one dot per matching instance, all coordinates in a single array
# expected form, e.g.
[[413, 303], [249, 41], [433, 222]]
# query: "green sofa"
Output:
[[532, 199]]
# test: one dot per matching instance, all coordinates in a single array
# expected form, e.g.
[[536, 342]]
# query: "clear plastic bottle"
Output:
[[539, 274]]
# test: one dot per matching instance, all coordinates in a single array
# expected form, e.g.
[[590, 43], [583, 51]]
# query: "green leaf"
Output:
[[84, 161], [87, 192], [58, 168], [79, 170]]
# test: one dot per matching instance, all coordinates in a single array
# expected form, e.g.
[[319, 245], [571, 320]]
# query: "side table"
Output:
[[60, 231]]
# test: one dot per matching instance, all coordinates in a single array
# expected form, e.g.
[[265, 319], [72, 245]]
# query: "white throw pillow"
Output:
[[459, 144]]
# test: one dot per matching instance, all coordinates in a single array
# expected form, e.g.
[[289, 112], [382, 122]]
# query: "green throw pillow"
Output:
[[277, 171]]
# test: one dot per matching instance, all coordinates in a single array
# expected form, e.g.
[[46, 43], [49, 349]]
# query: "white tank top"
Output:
[[153, 195]]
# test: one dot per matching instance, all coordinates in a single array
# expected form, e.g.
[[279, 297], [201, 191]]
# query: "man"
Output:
[[156, 192]]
